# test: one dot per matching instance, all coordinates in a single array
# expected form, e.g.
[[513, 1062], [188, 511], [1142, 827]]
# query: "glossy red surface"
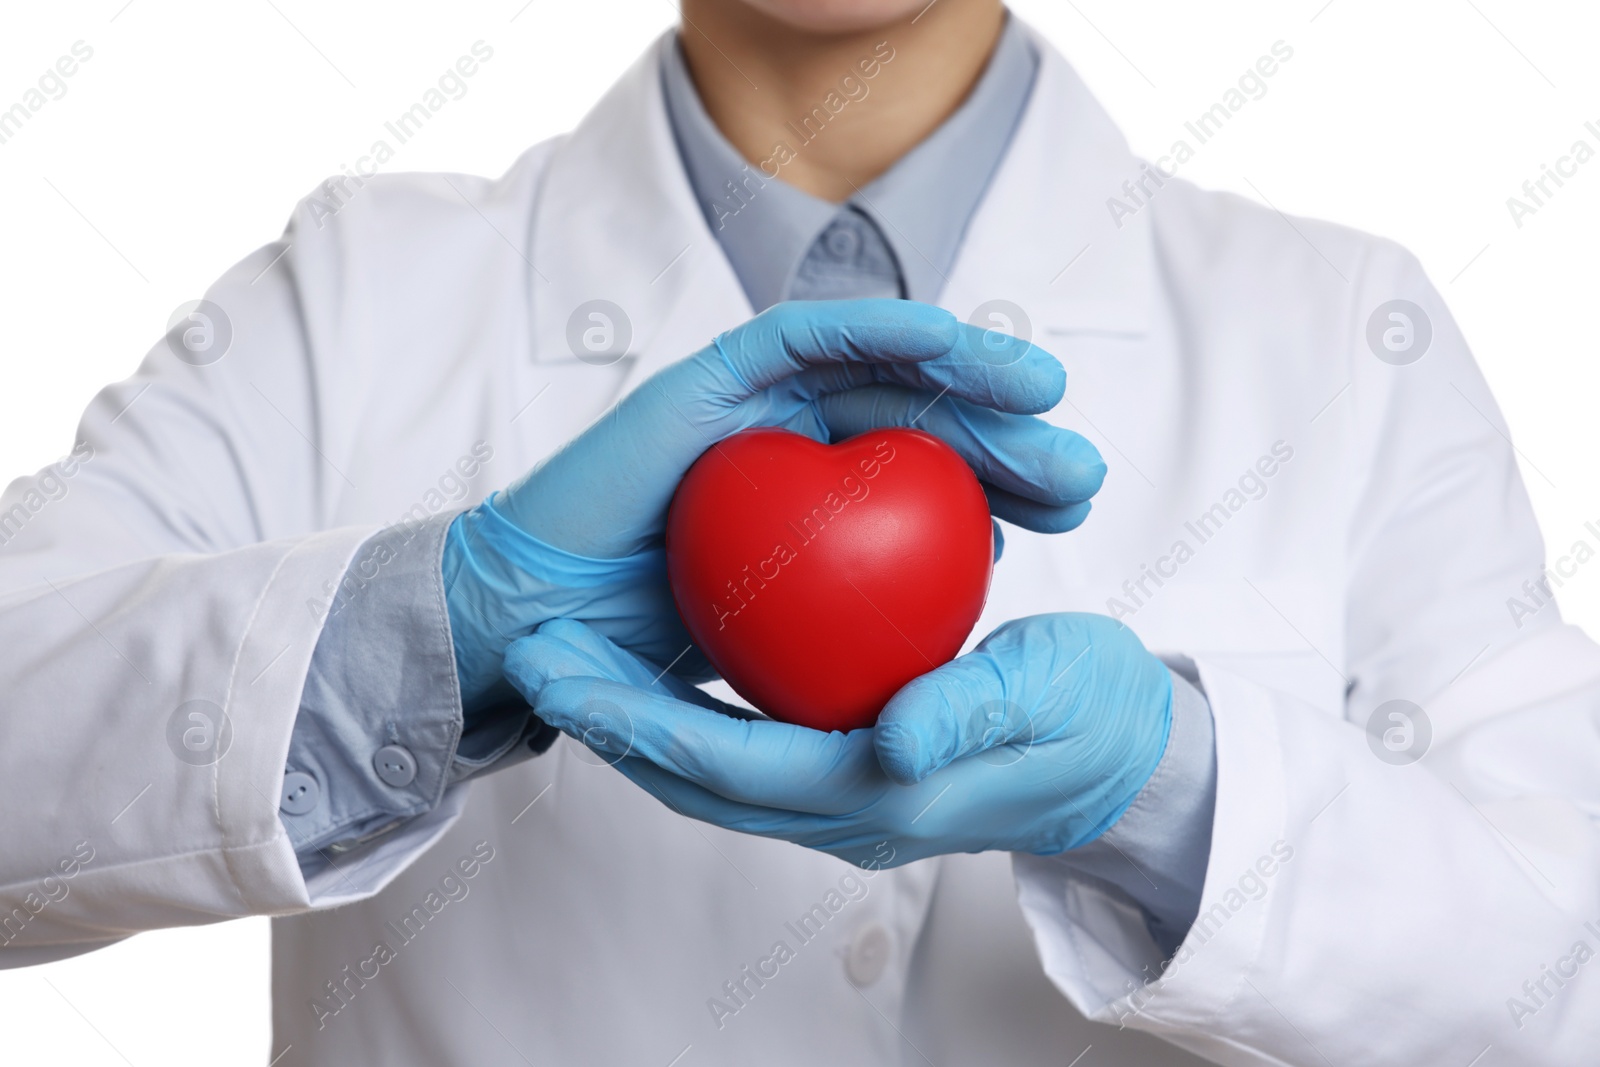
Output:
[[819, 579]]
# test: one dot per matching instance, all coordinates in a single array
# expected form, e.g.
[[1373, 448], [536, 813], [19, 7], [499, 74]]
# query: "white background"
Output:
[[186, 139]]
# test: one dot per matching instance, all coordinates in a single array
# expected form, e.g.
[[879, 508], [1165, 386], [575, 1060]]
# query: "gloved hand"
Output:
[[1037, 741], [580, 535]]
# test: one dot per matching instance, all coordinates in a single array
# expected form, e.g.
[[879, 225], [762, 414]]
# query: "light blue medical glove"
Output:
[[1036, 742], [580, 536]]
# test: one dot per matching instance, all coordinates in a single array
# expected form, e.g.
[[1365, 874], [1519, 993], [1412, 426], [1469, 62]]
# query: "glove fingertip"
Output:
[[899, 751], [1088, 476], [568, 630], [1040, 518], [1047, 381], [1056, 391], [1071, 518]]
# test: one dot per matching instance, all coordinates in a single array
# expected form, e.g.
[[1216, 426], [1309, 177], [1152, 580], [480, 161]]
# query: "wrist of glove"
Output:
[[501, 583]]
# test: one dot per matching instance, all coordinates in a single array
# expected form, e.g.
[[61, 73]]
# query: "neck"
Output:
[[848, 105]]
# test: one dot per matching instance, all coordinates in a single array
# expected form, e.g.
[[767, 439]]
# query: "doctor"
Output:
[[1290, 736]]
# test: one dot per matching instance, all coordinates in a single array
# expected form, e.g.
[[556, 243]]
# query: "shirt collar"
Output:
[[922, 204]]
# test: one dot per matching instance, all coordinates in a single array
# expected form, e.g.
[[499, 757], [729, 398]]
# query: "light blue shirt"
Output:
[[898, 236], [380, 732]]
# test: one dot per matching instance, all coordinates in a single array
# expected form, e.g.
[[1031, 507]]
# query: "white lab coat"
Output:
[[1356, 911]]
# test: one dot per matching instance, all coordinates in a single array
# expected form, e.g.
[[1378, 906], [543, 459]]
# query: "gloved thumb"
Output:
[[949, 713]]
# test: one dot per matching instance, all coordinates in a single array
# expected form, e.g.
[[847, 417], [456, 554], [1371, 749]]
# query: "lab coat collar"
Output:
[[616, 220]]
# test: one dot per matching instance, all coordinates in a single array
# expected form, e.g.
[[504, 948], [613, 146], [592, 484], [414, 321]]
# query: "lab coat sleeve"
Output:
[[1358, 907], [162, 589]]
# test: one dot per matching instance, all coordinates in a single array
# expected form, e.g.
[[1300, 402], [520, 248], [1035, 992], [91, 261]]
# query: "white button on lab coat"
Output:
[[1320, 529]]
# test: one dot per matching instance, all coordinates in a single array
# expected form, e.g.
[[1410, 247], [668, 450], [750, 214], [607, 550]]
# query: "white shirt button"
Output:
[[395, 765], [301, 793], [868, 955]]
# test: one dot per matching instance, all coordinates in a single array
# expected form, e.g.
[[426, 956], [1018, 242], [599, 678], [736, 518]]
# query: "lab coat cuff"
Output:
[[334, 879], [1094, 941], [1155, 854]]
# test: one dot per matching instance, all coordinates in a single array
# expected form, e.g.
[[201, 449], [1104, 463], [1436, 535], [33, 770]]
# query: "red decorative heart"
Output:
[[819, 579]]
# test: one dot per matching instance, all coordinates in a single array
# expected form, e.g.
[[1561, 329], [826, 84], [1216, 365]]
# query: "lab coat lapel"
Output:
[[1088, 290], [1043, 238], [616, 220]]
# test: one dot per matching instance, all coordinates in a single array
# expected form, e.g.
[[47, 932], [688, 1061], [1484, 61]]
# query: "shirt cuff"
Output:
[[1157, 853], [379, 735]]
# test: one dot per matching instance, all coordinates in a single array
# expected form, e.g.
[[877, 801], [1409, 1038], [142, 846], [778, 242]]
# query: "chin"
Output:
[[838, 16]]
